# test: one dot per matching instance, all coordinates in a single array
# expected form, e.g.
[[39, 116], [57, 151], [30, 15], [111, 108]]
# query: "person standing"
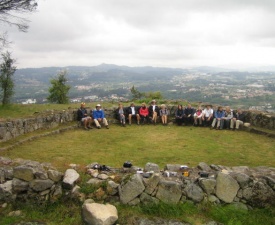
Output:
[[99, 117]]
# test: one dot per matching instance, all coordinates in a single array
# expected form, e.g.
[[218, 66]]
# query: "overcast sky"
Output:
[[166, 33]]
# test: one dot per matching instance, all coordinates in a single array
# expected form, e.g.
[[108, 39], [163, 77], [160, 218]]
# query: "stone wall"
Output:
[[23, 180], [14, 128]]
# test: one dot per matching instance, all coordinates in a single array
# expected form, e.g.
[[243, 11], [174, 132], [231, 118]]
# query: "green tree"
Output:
[[135, 93], [59, 90], [153, 95], [7, 84]]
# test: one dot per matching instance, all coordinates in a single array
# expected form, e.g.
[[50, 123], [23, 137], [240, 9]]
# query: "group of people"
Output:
[[220, 118], [143, 114], [97, 115]]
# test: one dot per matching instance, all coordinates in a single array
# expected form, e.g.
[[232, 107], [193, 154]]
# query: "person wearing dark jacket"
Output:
[[237, 120], [83, 117], [188, 116], [179, 115], [133, 112]]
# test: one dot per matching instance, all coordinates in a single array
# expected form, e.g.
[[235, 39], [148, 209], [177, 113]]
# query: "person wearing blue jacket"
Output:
[[99, 117], [219, 114]]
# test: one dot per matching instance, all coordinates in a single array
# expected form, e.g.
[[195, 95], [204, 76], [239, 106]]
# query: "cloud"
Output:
[[172, 33]]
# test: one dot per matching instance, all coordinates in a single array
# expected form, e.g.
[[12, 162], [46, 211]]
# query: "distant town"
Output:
[[250, 90]]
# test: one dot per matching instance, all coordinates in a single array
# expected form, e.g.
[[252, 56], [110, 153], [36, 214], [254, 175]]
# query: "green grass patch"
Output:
[[147, 143], [232, 216]]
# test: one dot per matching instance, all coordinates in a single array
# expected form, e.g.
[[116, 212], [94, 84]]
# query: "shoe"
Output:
[[89, 127], [137, 123], [86, 128], [98, 127], [107, 127], [124, 125]]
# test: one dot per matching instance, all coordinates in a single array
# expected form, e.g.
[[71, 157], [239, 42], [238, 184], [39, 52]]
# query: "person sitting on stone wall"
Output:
[[133, 112], [83, 117], [144, 114], [164, 112], [153, 112], [218, 121], [179, 115], [188, 116], [237, 120], [228, 115], [207, 116], [120, 114], [99, 117], [198, 117]]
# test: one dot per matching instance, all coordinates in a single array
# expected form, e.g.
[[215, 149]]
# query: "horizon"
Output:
[[267, 68]]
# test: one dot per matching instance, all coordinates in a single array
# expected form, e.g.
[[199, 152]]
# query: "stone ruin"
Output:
[[241, 186]]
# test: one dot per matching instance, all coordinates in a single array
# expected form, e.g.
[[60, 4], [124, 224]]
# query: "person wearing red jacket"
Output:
[[144, 114]]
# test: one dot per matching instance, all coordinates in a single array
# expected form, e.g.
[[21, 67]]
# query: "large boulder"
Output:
[[130, 188], [194, 192], [99, 214], [169, 191], [226, 187], [70, 179]]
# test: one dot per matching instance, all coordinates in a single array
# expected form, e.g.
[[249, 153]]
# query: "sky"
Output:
[[160, 33]]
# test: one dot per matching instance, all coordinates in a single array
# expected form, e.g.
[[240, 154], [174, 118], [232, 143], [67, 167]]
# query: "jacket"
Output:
[[143, 112], [81, 113], [98, 114], [150, 109], [219, 114]]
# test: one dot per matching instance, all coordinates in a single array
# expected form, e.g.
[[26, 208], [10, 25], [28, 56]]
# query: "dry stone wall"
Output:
[[24, 180], [13, 128]]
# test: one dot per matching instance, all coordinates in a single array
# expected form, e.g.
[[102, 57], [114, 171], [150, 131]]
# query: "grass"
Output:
[[147, 143]]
